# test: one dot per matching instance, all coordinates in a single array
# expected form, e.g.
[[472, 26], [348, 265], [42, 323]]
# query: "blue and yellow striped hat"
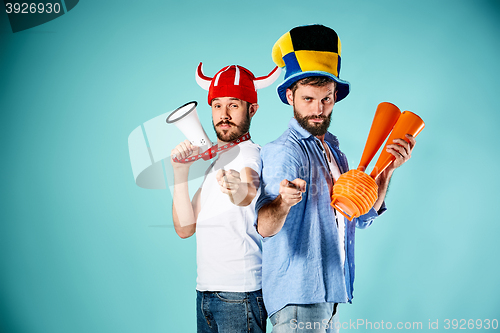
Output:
[[311, 50]]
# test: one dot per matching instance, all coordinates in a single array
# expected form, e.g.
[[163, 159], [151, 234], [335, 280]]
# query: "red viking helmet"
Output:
[[234, 81]]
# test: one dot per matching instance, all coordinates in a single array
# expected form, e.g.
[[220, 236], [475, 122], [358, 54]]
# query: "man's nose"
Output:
[[225, 113], [317, 108]]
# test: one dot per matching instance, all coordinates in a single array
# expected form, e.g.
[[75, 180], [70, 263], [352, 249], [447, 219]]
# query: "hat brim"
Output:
[[343, 87]]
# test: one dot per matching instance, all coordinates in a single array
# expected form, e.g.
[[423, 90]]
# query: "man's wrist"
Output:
[[385, 176], [282, 205], [181, 174]]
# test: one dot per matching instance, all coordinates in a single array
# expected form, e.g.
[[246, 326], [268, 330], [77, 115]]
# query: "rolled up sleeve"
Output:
[[366, 220]]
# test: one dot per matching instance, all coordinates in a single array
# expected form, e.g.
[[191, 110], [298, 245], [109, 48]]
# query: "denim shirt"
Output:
[[301, 264]]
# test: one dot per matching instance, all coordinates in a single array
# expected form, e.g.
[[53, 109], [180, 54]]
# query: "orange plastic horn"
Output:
[[408, 123], [354, 193], [385, 118]]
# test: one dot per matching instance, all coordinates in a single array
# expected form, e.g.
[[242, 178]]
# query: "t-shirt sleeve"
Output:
[[250, 159]]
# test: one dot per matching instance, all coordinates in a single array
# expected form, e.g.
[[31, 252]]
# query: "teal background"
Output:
[[83, 249]]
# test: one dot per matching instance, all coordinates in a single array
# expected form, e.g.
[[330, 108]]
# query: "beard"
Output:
[[315, 129], [228, 135]]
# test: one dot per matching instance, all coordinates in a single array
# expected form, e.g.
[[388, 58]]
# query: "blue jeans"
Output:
[[311, 318], [230, 312]]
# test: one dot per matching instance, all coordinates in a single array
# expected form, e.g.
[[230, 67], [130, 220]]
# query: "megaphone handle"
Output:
[[209, 153], [206, 155], [212, 151]]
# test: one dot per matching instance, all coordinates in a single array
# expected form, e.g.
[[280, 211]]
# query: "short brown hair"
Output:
[[317, 81]]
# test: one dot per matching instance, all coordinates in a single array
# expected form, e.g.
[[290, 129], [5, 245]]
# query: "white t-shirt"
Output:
[[335, 172], [229, 253]]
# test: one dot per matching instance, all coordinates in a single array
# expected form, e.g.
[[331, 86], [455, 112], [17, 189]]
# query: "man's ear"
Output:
[[335, 96], [289, 96], [253, 109]]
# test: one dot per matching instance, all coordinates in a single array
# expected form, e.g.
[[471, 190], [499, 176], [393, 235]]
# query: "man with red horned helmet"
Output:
[[222, 212]]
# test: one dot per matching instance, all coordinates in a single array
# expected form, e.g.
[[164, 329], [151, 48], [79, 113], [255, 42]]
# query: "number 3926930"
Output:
[[32, 8]]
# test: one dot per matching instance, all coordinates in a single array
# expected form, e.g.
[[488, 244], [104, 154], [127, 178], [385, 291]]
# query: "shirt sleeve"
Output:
[[366, 220], [278, 163]]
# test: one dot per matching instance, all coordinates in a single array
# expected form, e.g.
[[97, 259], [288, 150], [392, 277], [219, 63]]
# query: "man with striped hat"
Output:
[[222, 212], [308, 247]]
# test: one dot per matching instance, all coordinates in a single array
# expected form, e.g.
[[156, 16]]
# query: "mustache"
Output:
[[316, 117], [225, 122]]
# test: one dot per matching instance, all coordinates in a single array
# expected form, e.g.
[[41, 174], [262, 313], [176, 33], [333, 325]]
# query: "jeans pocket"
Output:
[[262, 310], [231, 297]]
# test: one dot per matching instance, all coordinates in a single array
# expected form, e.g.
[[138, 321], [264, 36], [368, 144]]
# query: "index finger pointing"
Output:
[[300, 184]]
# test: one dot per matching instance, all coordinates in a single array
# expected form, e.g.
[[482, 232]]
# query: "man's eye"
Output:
[[307, 99], [326, 99]]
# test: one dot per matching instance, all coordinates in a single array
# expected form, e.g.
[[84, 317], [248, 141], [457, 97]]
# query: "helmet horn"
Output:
[[264, 81], [203, 80]]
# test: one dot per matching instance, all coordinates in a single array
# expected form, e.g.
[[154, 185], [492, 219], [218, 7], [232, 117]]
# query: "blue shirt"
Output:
[[301, 264]]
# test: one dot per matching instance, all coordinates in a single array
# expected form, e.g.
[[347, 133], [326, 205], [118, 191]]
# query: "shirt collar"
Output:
[[304, 134]]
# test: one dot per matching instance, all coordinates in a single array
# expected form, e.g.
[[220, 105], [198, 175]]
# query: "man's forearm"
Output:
[[383, 185], [182, 209], [244, 196], [271, 217], [401, 150]]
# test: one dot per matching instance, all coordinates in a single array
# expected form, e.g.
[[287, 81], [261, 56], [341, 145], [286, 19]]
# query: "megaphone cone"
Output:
[[187, 121], [408, 123], [385, 118]]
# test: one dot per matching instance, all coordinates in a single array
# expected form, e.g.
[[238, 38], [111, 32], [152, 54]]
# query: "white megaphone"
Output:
[[187, 121]]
